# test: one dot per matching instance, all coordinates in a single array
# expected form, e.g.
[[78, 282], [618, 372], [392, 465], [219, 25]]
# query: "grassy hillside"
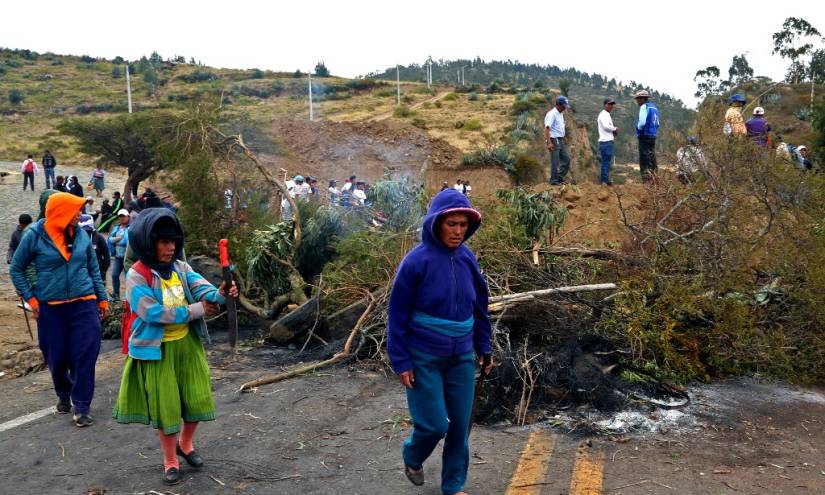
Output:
[[586, 92]]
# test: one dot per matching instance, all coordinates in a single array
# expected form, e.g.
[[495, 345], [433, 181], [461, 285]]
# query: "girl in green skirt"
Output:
[[166, 380]]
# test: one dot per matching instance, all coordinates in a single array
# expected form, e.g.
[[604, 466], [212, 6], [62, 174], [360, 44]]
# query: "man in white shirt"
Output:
[[459, 186], [554, 139], [358, 194], [607, 132], [301, 190]]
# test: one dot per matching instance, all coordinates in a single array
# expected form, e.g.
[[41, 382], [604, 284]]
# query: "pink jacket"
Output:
[[25, 162]]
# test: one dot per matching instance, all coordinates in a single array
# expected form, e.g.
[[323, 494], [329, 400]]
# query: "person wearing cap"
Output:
[[758, 128], [68, 300], [165, 381], [554, 140], [333, 193], [437, 319], [23, 222], [607, 133], [647, 126], [118, 241], [99, 244], [734, 122], [803, 158], [301, 191]]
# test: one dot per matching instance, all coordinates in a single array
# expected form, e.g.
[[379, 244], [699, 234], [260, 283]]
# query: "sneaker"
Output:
[[63, 407], [83, 419]]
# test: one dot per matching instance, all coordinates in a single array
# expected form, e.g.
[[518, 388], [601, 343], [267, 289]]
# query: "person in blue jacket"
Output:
[[437, 318], [646, 129]]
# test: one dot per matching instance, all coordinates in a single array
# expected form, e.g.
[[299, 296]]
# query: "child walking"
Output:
[[165, 380]]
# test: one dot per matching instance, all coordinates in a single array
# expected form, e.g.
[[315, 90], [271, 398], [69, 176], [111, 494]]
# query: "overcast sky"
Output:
[[660, 44]]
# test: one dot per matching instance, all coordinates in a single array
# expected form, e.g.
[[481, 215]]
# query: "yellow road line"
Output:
[[533, 464], [588, 472]]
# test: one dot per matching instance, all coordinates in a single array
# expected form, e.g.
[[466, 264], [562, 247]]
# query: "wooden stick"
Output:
[[558, 290]]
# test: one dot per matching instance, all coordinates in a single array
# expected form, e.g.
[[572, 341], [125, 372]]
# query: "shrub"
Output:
[[57, 61], [527, 170], [13, 63], [116, 72], [501, 156], [2, 70], [450, 97], [402, 111], [438, 104], [198, 76], [297, 74], [472, 125], [472, 96], [419, 122], [520, 106], [321, 70], [256, 74], [16, 96], [87, 59], [277, 87], [385, 93]]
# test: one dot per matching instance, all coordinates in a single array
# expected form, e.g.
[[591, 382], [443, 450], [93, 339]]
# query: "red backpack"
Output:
[[128, 317], [29, 166]]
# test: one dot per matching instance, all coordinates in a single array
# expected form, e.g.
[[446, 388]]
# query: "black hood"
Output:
[[141, 238]]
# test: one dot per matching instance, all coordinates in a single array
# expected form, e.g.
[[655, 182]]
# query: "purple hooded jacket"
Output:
[[442, 283]]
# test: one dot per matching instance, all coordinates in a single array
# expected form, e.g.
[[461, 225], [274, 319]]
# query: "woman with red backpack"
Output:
[[166, 381], [29, 170]]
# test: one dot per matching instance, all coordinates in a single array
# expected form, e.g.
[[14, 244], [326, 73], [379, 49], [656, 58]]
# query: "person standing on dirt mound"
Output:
[[437, 317], [607, 133], [554, 140], [68, 301], [165, 380], [646, 129]]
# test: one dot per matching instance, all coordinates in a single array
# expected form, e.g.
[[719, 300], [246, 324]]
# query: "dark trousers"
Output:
[[647, 157], [69, 336], [28, 177], [559, 161], [48, 172], [606, 155], [441, 403]]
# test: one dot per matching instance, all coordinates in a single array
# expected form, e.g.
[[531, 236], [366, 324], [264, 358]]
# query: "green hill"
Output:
[[586, 92]]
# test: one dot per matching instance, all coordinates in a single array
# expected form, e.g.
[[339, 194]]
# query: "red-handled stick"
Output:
[[231, 306]]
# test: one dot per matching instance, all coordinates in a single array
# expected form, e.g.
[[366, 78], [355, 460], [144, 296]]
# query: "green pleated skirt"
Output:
[[168, 392]]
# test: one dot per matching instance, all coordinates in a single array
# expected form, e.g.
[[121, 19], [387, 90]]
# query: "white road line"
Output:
[[14, 423]]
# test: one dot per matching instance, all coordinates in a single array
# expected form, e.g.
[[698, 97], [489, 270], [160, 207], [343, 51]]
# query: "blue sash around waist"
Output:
[[448, 328]]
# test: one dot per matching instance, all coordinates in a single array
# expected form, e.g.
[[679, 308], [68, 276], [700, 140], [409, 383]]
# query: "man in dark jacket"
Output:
[[49, 163], [22, 222], [99, 244]]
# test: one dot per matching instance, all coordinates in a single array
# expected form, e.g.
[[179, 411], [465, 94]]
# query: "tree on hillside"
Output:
[[564, 86], [321, 70], [794, 43], [740, 71], [131, 141], [708, 82], [817, 68]]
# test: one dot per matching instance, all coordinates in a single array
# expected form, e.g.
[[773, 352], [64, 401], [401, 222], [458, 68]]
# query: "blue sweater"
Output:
[[57, 278], [441, 283], [648, 123]]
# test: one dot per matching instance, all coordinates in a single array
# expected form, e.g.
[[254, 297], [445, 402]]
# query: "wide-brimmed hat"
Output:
[[642, 93]]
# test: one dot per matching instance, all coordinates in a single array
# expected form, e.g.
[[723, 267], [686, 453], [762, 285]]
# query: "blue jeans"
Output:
[[69, 337], [606, 152], [440, 403], [117, 269], [48, 172]]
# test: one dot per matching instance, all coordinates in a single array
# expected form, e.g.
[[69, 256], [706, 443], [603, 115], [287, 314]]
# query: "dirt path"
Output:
[[385, 116]]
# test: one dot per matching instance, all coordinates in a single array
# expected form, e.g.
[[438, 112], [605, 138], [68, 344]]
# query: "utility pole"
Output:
[[128, 88], [310, 95], [397, 85], [458, 77], [462, 75], [429, 81]]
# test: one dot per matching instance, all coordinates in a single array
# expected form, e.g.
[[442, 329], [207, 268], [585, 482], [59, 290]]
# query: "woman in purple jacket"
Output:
[[437, 319]]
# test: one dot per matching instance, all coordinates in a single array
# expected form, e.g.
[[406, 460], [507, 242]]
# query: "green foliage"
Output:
[[540, 214], [794, 42], [16, 96], [256, 74], [198, 76], [267, 246], [708, 82], [116, 72], [472, 125], [450, 97], [564, 86], [740, 71], [501, 156], [472, 97], [321, 70], [402, 111], [402, 201], [297, 74]]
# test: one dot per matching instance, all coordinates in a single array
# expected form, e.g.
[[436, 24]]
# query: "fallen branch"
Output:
[[602, 254], [546, 292], [345, 353]]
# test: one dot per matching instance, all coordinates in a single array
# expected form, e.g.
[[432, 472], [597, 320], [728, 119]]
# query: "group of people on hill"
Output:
[[647, 126], [29, 169], [352, 193], [57, 270], [461, 185]]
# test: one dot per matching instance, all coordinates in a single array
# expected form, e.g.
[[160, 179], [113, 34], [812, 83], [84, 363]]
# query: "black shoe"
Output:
[[83, 420], [171, 476], [415, 477], [64, 407], [192, 458]]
